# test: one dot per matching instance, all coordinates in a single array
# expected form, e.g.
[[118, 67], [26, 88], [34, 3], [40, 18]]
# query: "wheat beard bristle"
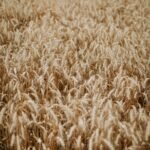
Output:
[[74, 74]]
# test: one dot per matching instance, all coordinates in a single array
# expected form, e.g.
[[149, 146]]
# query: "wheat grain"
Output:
[[74, 74]]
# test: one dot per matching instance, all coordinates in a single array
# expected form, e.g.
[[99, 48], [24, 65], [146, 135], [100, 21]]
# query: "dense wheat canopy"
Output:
[[74, 75]]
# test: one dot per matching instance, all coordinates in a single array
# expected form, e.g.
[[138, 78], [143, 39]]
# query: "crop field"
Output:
[[74, 74]]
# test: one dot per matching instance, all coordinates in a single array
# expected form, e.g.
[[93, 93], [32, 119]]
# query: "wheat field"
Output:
[[75, 75]]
